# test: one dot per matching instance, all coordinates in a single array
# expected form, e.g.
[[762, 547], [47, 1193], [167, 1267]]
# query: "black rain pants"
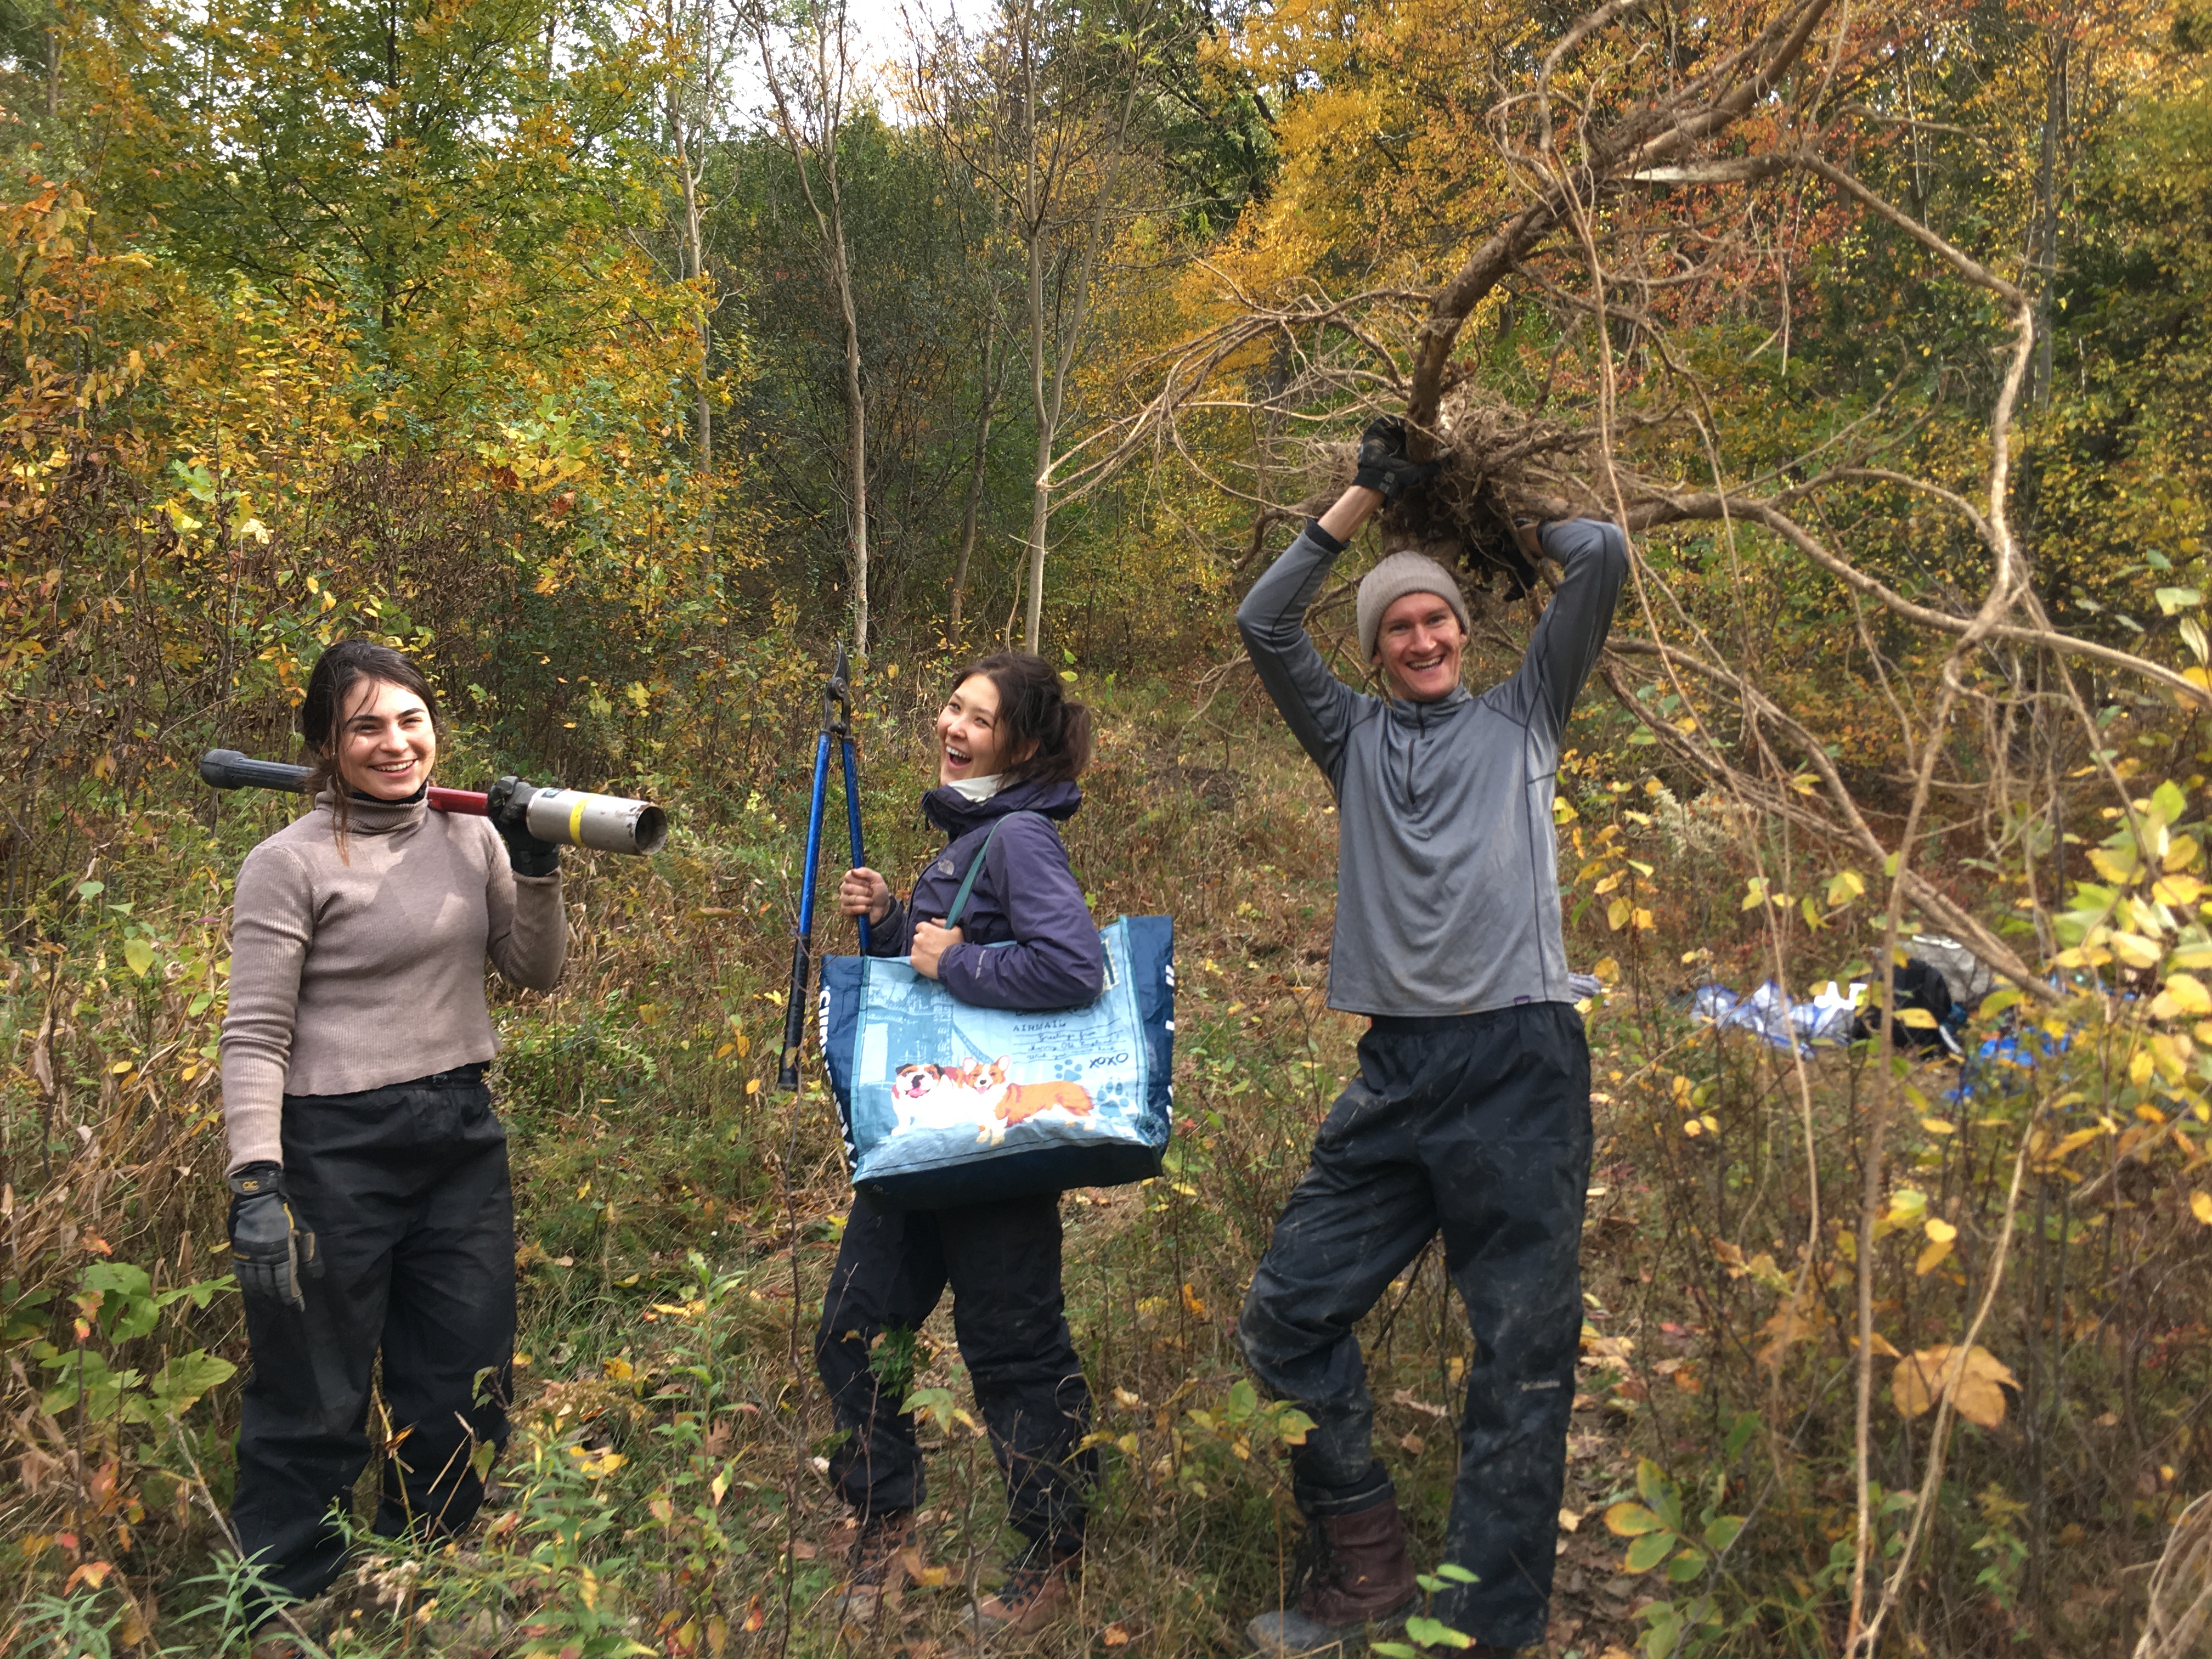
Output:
[[1479, 1126], [406, 1191], [1002, 1261]]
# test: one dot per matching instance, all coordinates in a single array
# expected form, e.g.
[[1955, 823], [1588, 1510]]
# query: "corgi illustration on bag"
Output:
[[930, 1096]]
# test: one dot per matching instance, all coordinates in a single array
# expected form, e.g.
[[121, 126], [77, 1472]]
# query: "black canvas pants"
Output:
[[1479, 1126], [406, 1191], [1002, 1261]]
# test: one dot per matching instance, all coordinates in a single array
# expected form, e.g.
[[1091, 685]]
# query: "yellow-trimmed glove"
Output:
[[270, 1251]]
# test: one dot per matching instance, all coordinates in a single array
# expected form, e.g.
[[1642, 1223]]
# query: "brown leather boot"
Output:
[[1364, 1579], [1037, 1590], [876, 1569]]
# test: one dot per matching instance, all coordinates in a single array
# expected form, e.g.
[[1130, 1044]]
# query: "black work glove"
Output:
[[1384, 465], [270, 1251], [508, 804]]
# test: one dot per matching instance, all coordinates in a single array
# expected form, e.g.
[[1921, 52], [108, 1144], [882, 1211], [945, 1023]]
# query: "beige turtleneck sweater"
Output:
[[352, 974]]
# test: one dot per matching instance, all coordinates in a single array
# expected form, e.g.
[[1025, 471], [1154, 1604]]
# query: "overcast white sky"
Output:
[[882, 31]]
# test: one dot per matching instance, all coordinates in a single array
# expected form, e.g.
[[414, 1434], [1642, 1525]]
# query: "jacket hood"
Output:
[[956, 815]]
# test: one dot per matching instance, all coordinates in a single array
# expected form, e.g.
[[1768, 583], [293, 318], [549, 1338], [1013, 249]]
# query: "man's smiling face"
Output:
[[1419, 642]]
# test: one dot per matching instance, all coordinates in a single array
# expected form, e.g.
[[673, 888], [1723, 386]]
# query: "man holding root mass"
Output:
[[1471, 1110]]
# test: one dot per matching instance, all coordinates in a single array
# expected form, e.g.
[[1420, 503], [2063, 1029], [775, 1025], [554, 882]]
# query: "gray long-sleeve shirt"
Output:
[[1447, 877], [353, 969]]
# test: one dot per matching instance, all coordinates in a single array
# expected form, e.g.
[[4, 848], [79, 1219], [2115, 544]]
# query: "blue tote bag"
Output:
[[946, 1103]]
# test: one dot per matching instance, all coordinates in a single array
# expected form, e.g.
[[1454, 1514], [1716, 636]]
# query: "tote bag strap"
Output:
[[976, 869]]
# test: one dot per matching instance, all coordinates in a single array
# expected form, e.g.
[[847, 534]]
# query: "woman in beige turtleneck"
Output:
[[371, 1209]]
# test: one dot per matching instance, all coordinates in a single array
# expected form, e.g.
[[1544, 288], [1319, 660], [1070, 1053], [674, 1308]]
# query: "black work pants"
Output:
[[1002, 1261], [1479, 1126], [406, 1190]]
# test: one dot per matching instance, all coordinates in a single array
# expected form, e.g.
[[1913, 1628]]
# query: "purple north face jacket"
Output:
[[1026, 903]]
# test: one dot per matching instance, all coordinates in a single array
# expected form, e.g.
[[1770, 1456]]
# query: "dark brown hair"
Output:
[[338, 671], [1034, 708]]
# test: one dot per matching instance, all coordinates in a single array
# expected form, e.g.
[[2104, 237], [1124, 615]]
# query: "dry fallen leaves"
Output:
[[1413, 1401], [1979, 1393]]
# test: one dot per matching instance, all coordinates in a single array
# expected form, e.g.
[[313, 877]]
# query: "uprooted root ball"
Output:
[[1499, 466]]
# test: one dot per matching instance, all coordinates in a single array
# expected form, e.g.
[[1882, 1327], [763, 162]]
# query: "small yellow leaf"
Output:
[[2200, 1205], [2135, 949], [1939, 1125], [2183, 994], [1628, 1519], [2115, 864]]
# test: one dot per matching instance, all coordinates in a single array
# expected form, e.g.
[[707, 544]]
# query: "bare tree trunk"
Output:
[[1040, 487], [694, 265], [856, 428], [1048, 121], [2043, 234], [970, 512], [1051, 400], [813, 130]]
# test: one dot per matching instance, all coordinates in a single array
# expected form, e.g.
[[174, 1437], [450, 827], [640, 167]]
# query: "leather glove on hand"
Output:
[[1384, 465], [270, 1251], [508, 803]]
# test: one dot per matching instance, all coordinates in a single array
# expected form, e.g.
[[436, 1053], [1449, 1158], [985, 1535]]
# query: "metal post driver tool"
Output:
[[837, 723], [567, 817]]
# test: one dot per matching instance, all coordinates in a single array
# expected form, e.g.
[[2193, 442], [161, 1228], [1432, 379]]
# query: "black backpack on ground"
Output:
[[1919, 984]]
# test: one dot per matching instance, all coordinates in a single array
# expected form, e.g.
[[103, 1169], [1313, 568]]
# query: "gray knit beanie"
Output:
[[1391, 580]]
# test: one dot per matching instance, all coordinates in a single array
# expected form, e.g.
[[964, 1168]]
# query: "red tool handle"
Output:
[[471, 801]]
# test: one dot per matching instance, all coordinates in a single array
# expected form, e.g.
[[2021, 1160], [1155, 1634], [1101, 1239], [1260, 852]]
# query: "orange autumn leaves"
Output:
[[1973, 1377]]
